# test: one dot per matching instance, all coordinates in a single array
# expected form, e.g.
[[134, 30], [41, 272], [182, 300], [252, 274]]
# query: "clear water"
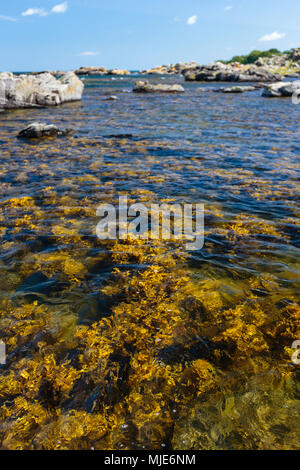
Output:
[[239, 155]]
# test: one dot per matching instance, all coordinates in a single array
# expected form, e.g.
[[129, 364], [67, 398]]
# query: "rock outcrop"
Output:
[[172, 69], [143, 86], [285, 63], [100, 71], [118, 72], [235, 72], [281, 89], [276, 64], [29, 91], [37, 130], [91, 71]]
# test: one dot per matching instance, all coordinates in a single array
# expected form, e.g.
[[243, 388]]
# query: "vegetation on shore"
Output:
[[253, 56]]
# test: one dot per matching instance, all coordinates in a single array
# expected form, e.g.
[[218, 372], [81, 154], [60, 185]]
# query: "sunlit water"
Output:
[[239, 155]]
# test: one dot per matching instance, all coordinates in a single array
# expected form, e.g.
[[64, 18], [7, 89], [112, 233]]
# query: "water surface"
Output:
[[174, 349]]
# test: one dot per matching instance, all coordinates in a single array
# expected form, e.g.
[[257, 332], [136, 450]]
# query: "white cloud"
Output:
[[192, 19], [60, 8], [272, 36], [7, 18], [35, 11], [229, 7], [89, 53]]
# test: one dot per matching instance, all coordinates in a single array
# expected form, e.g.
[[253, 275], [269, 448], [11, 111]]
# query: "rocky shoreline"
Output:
[[287, 64], [219, 72], [39, 89]]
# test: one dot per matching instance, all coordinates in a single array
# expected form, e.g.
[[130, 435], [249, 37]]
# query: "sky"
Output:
[[135, 34]]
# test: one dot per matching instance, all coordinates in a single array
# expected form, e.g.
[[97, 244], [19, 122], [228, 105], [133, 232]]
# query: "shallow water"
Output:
[[239, 155]]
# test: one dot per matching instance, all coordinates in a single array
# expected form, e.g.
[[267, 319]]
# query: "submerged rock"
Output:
[[281, 89], [119, 136], [38, 129], [28, 91], [190, 350], [143, 86], [37, 286], [235, 89], [111, 98]]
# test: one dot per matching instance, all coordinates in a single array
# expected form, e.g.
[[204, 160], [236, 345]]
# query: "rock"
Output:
[[91, 71], [295, 55], [119, 136], [260, 62], [159, 70], [235, 89], [235, 72], [56, 73], [38, 285], [293, 75], [143, 86], [273, 65], [202, 89], [190, 350], [118, 72], [172, 69], [281, 89], [36, 130], [100, 71], [94, 307], [111, 98], [28, 91], [287, 63]]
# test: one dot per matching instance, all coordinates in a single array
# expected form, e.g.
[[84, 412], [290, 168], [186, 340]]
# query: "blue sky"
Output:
[[136, 34]]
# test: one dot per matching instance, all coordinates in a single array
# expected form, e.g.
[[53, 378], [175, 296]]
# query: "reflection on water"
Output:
[[120, 345]]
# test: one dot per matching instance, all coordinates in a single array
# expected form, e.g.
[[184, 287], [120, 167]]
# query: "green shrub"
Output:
[[253, 56]]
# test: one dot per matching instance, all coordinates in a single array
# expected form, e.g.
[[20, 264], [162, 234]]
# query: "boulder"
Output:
[[281, 89], [29, 91], [143, 86], [37, 130]]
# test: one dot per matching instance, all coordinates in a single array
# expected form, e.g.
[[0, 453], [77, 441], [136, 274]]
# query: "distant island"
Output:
[[273, 60]]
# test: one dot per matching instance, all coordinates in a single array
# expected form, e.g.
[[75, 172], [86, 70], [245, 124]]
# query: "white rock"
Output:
[[281, 89], [28, 91], [143, 86], [39, 129]]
